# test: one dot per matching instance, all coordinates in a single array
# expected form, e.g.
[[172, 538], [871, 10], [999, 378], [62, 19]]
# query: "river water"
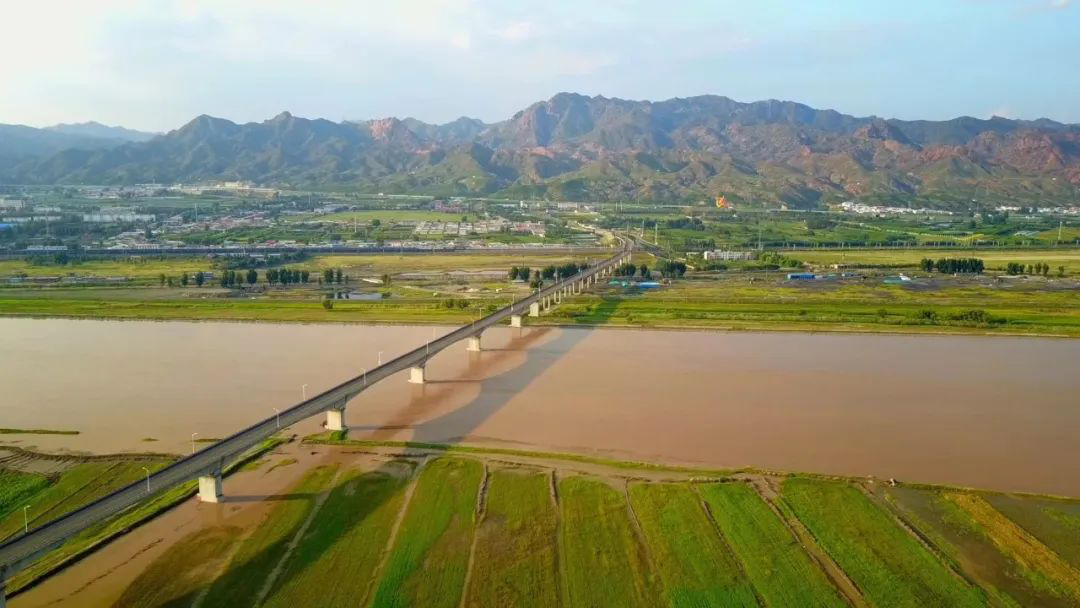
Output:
[[998, 413]]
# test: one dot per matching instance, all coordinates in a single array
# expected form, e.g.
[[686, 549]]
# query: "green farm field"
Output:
[[430, 526], [1069, 257], [1023, 308]]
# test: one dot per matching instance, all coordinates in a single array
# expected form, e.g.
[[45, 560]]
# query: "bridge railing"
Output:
[[15, 553]]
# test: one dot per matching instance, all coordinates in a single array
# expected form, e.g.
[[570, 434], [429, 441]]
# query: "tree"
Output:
[[927, 265], [514, 273], [252, 276], [184, 279], [337, 273], [386, 279], [328, 276], [199, 279], [644, 271], [328, 304], [169, 281], [304, 276], [375, 223], [161, 280], [669, 268], [1061, 271]]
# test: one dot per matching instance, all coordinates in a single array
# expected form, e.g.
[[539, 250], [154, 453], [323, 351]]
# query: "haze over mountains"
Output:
[[584, 148]]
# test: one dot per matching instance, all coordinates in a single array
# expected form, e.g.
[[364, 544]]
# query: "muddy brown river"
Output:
[[1000, 413]]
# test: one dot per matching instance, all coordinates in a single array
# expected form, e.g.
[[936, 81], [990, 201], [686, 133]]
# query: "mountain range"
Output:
[[576, 147], [19, 142]]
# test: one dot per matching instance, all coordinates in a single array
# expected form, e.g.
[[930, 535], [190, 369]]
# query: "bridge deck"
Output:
[[17, 552]]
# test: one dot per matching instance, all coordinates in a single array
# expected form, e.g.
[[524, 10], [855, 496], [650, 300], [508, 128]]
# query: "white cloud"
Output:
[[461, 41], [517, 31]]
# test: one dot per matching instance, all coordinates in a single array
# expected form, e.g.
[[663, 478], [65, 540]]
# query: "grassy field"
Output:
[[341, 549], [1018, 309], [307, 311], [516, 542], [935, 303], [994, 258], [17, 488], [1036, 562], [140, 268], [604, 562], [772, 558], [840, 306], [1056, 523], [170, 580], [888, 564], [487, 527], [73, 488], [107, 478], [696, 567], [259, 553], [430, 558]]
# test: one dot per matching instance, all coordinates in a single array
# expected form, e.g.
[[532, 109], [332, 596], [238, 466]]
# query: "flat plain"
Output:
[[504, 527]]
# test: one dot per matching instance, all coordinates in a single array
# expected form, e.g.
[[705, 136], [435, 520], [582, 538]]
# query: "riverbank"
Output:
[[52, 485], [1054, 315], [356, 520]]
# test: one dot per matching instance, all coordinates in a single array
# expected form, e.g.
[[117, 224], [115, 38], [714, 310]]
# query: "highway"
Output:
[[16, 553]]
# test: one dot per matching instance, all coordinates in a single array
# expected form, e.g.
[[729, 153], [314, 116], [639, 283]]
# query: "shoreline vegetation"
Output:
[[340, 438], [526, 527], [764, 519], [1023, 292], [36, 432], [903, 320]]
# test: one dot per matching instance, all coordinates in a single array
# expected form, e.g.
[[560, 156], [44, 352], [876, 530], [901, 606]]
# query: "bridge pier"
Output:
[[210, 489], [335, 419], [416, 374], [473, 344], [516, 321], [534, 309]]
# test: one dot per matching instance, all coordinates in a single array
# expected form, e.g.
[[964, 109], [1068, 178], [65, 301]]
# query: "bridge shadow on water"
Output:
[[495, 391]]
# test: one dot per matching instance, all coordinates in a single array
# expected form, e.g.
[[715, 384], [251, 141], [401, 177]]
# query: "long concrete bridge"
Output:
[[207, 465]]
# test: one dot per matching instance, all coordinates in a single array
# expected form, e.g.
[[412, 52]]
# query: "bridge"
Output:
[[207, 465]]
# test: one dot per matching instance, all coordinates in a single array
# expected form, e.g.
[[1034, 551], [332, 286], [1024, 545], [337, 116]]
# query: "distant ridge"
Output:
[[596, 148], [98, 130]]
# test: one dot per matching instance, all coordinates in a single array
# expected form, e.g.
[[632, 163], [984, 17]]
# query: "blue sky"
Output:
[[155, 64]]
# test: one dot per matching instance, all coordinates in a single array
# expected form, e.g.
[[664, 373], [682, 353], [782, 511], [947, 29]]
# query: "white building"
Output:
[[728, 256], [117, 217]]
